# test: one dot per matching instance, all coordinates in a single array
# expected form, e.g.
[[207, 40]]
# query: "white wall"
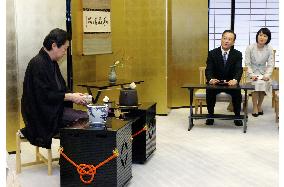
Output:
[[34, 20]]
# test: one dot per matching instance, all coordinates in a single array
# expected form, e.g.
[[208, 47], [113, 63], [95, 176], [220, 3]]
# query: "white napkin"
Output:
[[260, 85], [132, 85], [106, 99]]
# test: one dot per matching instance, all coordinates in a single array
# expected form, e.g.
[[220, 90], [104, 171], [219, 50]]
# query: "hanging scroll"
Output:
[[96, 27], [96, 20]]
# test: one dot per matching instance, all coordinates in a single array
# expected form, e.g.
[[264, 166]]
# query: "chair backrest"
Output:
[[274, 51], [244, 75], [275, 73], [202, 78]]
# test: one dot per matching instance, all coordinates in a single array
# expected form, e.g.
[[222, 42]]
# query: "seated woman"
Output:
[[259, 58]]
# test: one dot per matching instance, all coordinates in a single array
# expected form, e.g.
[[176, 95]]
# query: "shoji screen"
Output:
[[219, 20], [250, 16]]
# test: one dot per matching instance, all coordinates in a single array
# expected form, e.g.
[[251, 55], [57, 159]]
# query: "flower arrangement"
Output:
[[120, 58], [116, 63]]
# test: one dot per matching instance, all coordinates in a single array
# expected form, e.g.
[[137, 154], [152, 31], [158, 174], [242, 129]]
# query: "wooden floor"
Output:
[[207, 156]]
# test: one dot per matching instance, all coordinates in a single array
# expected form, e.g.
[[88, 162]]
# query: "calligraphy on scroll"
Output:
[[96, 20]]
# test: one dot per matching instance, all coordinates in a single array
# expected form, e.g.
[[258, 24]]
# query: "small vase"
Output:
[[112, 75]]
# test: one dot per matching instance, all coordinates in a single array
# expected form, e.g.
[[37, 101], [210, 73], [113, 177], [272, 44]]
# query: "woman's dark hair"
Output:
[[265, 31], [230, 31], [57, 36]]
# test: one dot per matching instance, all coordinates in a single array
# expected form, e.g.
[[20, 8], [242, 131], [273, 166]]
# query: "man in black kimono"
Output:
[[224, 64], [45, 92]]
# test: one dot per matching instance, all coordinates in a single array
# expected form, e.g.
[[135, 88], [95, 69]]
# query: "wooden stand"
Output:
[[144, 144], [86, 145]]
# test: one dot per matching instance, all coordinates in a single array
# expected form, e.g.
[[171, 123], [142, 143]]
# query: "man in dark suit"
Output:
[[224, 64]]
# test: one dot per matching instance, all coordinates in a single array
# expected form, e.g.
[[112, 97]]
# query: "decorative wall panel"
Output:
[[189, 47], [12, 103]]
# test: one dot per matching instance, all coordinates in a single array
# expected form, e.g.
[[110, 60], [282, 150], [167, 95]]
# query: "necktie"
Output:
[[225, 58]]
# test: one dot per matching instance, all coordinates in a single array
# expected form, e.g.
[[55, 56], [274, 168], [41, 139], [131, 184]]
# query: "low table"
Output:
[[192, 87], [104, 85]]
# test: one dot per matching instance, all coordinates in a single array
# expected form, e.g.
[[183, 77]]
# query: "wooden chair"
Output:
[[40, 158], [274, 77], [200, 94], [276, 104]]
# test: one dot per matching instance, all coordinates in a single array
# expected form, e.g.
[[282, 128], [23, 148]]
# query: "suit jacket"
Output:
[[42, 101], [215, 68]]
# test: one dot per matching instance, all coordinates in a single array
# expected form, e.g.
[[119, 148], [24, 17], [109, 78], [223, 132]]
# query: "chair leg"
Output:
[[230, 107], [196, 106], [200, 107], [277, 111], [273, 99], [18, 153], [37, 154], [49, 161]]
